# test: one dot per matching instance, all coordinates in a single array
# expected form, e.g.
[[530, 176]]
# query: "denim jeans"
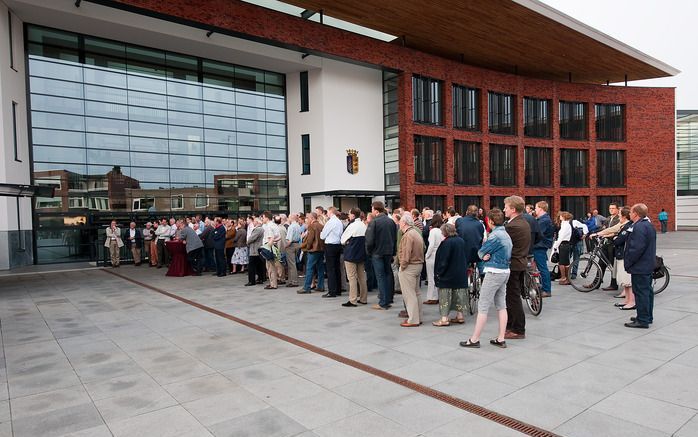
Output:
[[314, 261], [644, 297], [382, 267], [575, 254], [541, 258]]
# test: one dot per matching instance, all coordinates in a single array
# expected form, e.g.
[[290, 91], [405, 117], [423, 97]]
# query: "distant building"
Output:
[[687, 169]]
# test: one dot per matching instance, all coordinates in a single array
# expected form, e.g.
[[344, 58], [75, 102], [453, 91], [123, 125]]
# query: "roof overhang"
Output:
[[524, 37]]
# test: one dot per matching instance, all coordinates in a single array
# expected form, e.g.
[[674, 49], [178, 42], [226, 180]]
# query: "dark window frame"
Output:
[[427, 100], [434, 201], [466, 107], [536, 175], [304, 91], [537, 117], [11, 40], [572, 178], [615, 176], [467, 171], [610, 122], [572, 126], [305, 154], [501, 113], [509, 155], [429, 160], [461, 203], [15, 141], [576, 209], [602, 202]]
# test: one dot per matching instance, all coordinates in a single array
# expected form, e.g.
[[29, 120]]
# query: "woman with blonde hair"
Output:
[[562, 247]]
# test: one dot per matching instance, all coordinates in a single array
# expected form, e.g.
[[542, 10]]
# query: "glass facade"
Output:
[[131, 132], [391, 131], [687, 153]]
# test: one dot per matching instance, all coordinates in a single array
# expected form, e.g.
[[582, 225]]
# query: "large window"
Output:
[[391, 153], [573, 121], [117, 123], [573, 167], [436, 203], [426, 100], [501, 113], [467, 163], [538, 163], [428, 159], [304, 91], [610, 168], [305, 153], [15, 141], [497, 202], [610, 122], [578, 206], [502, 165], [536, 117], [463, 202], [466, 108], [603, 202]]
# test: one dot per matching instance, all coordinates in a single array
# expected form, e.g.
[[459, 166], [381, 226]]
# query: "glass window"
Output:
[[177, 202], [538, 163], [576, 205], [532, 200], [428, 159], [536, 117], [604, 202], [463, 202], [98, 76], [107, 110], [610, 122], [610, 168], [58, 138], [426, 100], [305, 153], [502, 165], [304, 90], [56, 87], [105, 141], [106, 126], [466, 108], [573, 167], [501, 113], [573, 121], [436, 203], [497, 202], [467, 162]]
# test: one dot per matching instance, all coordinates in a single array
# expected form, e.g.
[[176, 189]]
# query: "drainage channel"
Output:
[[501, 419]]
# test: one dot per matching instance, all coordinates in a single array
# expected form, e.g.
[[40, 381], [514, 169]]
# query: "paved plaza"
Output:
[[87, 353]]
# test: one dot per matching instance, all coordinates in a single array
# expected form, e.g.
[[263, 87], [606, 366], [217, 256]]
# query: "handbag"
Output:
[[555, 258], [555, 272]]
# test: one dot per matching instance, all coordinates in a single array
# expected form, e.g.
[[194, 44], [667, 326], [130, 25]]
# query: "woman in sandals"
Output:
[[496, 254], [449, 276]]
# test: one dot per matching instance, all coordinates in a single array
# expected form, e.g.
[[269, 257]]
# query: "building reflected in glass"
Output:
[[135, 133]]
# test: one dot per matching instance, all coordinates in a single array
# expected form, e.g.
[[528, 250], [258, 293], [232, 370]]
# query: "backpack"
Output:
[[658, 267], [577, 235]]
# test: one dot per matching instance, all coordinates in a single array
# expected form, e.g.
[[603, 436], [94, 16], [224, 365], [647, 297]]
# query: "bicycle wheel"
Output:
[[532, 296], [660, 284], [474, 291], [588, 274]]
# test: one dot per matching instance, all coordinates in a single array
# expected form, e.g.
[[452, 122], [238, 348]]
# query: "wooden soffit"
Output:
[[523, 37]]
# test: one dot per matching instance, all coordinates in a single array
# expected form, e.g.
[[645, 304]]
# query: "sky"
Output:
[[662, 29]]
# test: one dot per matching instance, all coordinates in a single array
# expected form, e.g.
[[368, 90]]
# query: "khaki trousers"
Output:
[[146, 249], [357, 281], [409, 284], [136, 251], [272, 272], [291, 251], [114, 252]]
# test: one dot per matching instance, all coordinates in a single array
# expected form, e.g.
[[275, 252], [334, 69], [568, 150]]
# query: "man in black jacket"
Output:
[[381, 238], [472, 231], [639, 261]]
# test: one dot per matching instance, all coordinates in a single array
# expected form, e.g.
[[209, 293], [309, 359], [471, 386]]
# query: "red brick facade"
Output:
[[649, 113]]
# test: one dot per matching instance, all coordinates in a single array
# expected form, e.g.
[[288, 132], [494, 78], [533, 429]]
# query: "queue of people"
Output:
[[394, 252]]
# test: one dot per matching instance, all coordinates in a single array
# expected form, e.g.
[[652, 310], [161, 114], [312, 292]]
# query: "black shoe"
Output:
[[634, 319], [349, 304], [329, 295], [619, 296], [303, 291], [361, 303], [628, 309], [260, 282], [249, 284], [291, 285], [619, 305], [469, 343], [636, 324], [610, 288]]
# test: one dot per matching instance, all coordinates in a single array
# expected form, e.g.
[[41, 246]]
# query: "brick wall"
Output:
[[649, 111]]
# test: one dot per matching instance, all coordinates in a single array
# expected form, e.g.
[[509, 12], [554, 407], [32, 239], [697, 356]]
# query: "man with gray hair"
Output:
[[411, 256], [293, 243]]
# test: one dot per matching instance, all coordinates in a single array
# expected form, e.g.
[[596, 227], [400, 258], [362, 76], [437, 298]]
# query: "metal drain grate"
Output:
[[501, 419]]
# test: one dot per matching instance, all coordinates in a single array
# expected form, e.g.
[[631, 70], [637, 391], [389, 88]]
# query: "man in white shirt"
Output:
[[332, 234], [293, 243], [271, 238], [163, 235], [354, 241]]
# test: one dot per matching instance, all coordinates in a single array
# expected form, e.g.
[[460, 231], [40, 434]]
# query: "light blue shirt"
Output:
[[293, 233], [332, 231]]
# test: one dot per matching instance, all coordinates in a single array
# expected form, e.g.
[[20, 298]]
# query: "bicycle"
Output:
[[589, 271], [531, 291], [474, 285]]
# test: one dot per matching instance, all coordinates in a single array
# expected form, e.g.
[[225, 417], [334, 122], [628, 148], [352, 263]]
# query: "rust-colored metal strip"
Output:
[[501, 419]]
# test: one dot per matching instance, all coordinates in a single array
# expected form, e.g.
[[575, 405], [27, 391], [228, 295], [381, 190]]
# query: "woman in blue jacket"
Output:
[[496, 254]]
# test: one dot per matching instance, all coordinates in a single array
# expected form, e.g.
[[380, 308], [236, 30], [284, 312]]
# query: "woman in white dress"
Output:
[[435, 238]]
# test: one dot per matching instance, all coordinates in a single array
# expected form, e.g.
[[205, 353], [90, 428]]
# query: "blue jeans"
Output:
[[575, 254], [541, 258], [382, 267], [644, 297], [314, 261]]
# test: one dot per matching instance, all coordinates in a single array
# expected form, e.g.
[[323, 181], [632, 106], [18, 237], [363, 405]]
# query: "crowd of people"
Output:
[[396, 251]]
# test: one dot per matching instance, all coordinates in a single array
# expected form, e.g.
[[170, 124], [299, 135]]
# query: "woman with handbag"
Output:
[[562, 248], [623, 277]]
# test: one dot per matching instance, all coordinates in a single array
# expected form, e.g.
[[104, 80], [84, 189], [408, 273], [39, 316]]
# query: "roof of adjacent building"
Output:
[[524, 37]]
